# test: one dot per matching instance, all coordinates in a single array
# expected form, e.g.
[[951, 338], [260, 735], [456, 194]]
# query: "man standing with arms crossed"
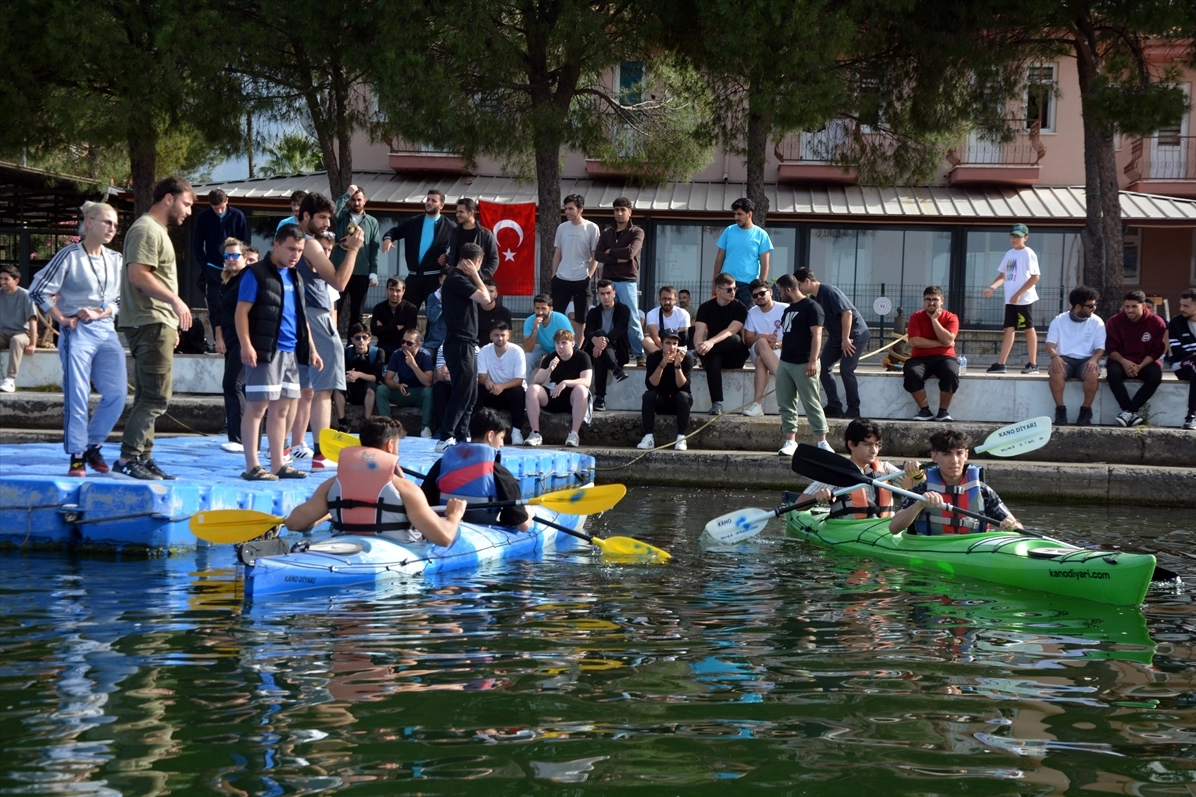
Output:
[[152, 313], [619, 253], [425, 238], [573, 263], [213, 227], [744, 251], [1019, 272]]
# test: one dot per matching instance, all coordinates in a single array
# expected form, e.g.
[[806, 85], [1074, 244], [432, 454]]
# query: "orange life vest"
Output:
[[363, 500], [857, 504]]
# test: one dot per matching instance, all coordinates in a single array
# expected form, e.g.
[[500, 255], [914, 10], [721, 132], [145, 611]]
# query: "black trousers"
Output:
[[233, 385], [1151, 376], [420, 287], [1189, 375], [832, 353], [666, 404], [354, 297], [212, 280], [462, 366], [727, 353], [513, 399], [603, 364]]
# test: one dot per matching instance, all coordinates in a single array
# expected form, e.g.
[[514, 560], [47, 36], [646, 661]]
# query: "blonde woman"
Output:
[[80, 289], [233, 253]]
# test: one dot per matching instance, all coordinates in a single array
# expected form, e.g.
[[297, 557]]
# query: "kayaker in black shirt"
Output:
[[963, 488], [392, 317]]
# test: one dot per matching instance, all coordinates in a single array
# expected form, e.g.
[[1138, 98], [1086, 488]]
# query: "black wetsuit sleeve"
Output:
[[431, 491], [508, 490]]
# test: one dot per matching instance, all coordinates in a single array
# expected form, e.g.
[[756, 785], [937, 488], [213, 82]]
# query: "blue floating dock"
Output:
[[40, 507]]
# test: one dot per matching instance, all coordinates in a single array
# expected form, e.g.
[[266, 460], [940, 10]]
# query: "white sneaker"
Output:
[[789, 449], [648, 443], [516, 437], [681, 444], [8, 385], [443, 445], [1124, 418], [825, 446], [753, 410], [302, 451], [426, 433], [534, 439], [572, 440], [232, 448]]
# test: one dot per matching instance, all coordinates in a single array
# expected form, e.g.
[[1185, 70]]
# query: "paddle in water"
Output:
[[1008, 441]]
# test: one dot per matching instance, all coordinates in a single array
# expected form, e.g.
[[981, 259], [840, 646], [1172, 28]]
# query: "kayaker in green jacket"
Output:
[[863, 447], [958, 484]]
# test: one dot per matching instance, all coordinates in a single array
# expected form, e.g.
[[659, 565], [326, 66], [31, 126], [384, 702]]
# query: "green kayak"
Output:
[[1004, 557]]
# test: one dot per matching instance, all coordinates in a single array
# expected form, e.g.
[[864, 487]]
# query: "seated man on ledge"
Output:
[[932, 332], [667, 389], [1075, 343], [369, 495], [474, 473], [1135, 339], [562, 384], [951, 481], [863, 446]]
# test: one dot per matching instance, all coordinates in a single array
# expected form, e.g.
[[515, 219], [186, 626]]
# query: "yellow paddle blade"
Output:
[[332, 441], [583, 500], [630, 548], [232, 525]]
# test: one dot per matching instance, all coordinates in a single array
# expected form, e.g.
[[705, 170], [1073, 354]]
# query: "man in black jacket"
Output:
[[606, 341], [425, 239], [618, 251], [468, 231]]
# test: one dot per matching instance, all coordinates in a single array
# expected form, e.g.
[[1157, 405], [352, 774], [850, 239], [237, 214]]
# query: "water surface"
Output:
[[772, 665]]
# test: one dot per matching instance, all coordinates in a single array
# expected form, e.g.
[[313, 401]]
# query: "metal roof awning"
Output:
[[700, 200], [36, 198]]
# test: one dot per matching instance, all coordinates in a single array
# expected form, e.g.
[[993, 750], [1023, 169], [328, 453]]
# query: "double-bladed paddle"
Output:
[[1008, 441]]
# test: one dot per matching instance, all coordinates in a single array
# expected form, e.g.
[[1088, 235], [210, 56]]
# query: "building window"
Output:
[[1060, 261], [1131, 256], [1040, 97], [629, 79]]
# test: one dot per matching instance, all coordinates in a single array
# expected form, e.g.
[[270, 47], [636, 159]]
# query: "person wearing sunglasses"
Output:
[[213, 226], [229, 345], [717, 337], [1075, 343], [363, 371], [407, 381], [762, 334]]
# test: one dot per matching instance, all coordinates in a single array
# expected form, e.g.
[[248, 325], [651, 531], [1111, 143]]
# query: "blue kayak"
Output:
[[365, 561]]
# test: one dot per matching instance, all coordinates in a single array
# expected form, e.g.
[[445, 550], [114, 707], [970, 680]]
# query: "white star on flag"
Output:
[[509, 255]]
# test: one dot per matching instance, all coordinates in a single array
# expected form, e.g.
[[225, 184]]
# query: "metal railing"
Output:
[[1162, 157], [823, 146], [1026, 149]]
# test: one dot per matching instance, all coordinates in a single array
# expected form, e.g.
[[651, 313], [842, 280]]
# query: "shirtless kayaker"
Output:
[[952, 481], [380, 504]]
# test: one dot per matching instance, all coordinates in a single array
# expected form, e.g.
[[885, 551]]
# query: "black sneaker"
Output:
[[833, 411], [622, 376], [1190, 422], [134, 469], [153, 468], [77, 470], [1030, 368], [853, 413], [943, 415], [344, 426], [95, 460], [1061, 416], [1085, 417], [599, 403], [924, 414], [996, 368]]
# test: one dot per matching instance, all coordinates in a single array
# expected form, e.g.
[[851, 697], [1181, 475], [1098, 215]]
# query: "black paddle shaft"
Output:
[[831, 468]]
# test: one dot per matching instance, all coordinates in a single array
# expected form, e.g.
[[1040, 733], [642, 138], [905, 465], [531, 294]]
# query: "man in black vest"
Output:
[[425, 238], [272, 328]]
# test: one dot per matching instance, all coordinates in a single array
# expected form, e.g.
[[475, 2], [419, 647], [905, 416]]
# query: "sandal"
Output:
[[258, 474], [287, 472]]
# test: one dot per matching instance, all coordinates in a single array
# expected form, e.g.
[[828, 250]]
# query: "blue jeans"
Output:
[[627, 292], [91, 354]]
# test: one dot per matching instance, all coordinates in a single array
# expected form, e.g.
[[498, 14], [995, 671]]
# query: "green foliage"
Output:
[[291, 153]]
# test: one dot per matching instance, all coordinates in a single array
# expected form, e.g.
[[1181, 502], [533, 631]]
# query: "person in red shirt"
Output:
[[932, 332], [1135, 339]]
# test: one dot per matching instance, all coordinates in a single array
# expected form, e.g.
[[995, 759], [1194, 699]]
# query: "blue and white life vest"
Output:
[[965, 495], [467, 472]]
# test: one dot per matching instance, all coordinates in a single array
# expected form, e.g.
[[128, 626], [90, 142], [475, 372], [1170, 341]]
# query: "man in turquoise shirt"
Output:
[[539, 329], [350, 208], [743, 250]]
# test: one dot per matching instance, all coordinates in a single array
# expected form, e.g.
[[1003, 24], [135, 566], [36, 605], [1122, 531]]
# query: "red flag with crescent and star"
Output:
[[514, 227]]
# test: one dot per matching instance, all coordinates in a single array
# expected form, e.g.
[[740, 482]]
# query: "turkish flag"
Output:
[[514, 227]]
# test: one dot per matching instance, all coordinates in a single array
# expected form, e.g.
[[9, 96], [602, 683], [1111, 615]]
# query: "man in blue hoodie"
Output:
[[212, 228]]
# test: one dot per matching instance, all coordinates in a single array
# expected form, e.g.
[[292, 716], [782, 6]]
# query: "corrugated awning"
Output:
[[1063, 204]]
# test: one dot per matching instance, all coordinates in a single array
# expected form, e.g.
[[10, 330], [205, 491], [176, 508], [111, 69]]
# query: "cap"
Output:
[[670, 333], [1020, 230]]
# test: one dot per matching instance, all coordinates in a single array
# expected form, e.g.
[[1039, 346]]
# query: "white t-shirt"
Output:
[[678, 321], [576, 242], [1078, 340], [1017, 267], [512, 365], [763, 323]]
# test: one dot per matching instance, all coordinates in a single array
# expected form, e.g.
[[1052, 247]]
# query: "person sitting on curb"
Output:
[[1182, 332], [473, 472], [951, 481], [762, 334], [18, 324], [863, 447], [392, 317], [1135, 339], [1019, 273], [561, 385], [539, 330], [717, 330], [271, 323], [364, 365], [668, 390], [932, 332], [501, 381], [666, 316], [407, 381], [797, 372], [1075, 343], [382, 501], [605, 339]]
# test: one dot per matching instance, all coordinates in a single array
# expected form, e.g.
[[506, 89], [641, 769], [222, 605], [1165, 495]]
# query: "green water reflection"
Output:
[[771, 666]]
